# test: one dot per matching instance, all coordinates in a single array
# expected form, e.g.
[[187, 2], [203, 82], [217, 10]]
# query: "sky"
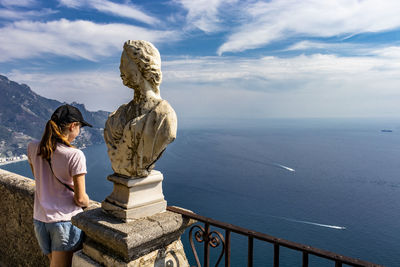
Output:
[[222, 59]]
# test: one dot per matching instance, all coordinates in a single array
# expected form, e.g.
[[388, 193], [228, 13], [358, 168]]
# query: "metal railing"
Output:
[[214, 238]]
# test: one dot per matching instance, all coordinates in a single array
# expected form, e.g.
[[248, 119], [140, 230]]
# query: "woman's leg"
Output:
[[65, 238], [43, 237], [61, 259]]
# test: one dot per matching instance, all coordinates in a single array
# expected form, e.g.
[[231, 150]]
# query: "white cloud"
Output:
[[17, 3], [122, 10], [303, 86], [203, 14], [353, 49], [265, 22], [221, 69], [98, 90], [72, 3], [17, 14], [392, 52], [75, 39], [306, 45]]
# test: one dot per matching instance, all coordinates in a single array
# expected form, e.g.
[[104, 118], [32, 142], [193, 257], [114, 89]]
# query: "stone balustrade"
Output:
[[18, 245]]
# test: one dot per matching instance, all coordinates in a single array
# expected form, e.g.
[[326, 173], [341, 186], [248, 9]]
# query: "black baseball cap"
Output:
[[67, 114]]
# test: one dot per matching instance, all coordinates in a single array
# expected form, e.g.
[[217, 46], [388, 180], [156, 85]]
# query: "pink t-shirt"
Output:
[[53, 201]]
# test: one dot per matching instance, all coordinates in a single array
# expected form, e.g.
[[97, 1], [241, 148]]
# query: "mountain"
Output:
[[23, 116]]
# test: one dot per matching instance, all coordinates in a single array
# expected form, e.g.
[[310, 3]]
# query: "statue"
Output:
[[137, 133]]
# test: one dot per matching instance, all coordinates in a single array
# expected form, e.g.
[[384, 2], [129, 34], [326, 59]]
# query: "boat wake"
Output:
[[312, 223], [284, 167], [269, 164]]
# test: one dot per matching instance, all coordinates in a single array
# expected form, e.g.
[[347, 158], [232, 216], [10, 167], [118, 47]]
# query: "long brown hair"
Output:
[[52, 135]]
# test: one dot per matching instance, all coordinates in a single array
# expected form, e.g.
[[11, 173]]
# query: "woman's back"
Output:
[[53, 200]]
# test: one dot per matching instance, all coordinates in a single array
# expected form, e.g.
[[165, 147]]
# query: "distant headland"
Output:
[[23, 115]]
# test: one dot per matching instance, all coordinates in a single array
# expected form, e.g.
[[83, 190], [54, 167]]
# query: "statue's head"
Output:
[[140, 58]]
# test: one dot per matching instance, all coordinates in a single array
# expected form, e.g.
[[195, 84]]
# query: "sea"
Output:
[[333, 184]]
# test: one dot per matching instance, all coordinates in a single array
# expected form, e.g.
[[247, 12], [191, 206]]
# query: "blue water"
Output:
[[343, 195]]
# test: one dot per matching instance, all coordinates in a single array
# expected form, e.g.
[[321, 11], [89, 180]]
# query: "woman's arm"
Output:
[[81, 198]]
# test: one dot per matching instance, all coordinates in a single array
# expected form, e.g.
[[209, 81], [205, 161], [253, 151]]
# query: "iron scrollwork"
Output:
[[212, 239]]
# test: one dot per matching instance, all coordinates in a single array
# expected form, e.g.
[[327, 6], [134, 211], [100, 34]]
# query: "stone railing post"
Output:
[[149, 241]]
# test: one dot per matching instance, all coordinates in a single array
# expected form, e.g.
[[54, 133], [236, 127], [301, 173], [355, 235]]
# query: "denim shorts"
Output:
[[57, 236]]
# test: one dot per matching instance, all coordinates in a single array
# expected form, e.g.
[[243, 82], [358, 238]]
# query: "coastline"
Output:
[[12, 161], [24, 157]]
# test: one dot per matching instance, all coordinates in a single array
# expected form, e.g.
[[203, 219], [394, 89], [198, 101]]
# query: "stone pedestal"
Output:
[[134, 197], [150, 241]]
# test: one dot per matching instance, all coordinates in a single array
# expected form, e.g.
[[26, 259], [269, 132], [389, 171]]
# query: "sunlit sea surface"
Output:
[[331, 184]]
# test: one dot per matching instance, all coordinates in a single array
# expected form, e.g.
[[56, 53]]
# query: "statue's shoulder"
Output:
[[168, 115], [164, 107], [121, 111]]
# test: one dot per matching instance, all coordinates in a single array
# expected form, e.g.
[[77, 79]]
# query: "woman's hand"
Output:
[[81, 198]]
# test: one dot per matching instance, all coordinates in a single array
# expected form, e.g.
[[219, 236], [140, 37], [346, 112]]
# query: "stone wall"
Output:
[[18, 245]]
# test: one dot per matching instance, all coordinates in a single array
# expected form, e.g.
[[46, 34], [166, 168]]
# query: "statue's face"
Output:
[[130, 74]]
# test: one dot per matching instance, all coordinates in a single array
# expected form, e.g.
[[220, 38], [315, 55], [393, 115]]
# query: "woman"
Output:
[[59, 170]]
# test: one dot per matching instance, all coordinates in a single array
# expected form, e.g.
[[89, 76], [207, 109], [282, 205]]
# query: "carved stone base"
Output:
[[172, 255], [134, 198], [150, 241], [81, 260]]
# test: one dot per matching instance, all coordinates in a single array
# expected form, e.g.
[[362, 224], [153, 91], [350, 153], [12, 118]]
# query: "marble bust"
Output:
[[137, 133]]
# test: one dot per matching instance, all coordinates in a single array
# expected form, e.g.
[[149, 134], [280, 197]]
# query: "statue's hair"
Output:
[[148, 60]]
